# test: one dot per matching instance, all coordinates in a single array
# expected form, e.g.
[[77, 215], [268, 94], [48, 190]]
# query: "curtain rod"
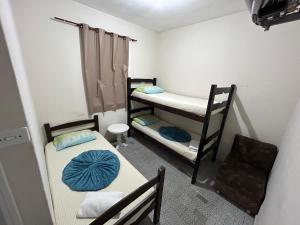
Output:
[[80, 25]]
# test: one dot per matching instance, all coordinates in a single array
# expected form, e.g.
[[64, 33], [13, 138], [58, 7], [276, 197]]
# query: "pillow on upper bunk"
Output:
[[141, 88], [146, 120], [153, 90], [73, 138]]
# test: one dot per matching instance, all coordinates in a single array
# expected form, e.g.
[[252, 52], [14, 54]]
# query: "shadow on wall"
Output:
[[238, 122]]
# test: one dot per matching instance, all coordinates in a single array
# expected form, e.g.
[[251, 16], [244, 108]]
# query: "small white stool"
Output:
[[119, 129]]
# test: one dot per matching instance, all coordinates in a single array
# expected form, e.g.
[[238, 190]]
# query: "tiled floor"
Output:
[[183, 203]]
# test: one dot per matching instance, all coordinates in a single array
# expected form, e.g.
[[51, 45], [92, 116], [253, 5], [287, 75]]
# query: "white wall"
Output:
[[231, 49], [19, 163], [52, 56], [281, 205], [17, 70]]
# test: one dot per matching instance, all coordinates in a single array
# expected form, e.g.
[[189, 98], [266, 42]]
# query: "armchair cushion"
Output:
[[244, 178], [242, 184], [258, 154]]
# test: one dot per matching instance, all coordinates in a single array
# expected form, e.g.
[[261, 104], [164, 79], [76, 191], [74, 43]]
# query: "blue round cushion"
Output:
[[91, 170], [174, 134]]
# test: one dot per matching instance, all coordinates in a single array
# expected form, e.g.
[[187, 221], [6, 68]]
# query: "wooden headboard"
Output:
[[49, 129]]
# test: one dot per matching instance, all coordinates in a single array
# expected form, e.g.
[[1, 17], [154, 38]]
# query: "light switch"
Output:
[[10, 138], [14, 137]]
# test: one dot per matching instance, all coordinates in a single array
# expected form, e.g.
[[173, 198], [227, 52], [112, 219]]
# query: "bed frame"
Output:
[[152, 202], [71, 125], [214, 91]]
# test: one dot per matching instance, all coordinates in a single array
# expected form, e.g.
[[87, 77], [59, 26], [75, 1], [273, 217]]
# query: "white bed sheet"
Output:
[[180, 147], [66, 202], [197, 106]]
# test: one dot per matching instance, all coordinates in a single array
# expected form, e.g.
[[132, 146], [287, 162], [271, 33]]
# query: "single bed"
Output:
[[130, 181]]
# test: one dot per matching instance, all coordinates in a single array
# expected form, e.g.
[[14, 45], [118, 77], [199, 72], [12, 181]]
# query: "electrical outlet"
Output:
[[14, 137]]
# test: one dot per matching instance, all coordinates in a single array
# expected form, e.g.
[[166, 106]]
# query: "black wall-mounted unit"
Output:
[[267, 13]]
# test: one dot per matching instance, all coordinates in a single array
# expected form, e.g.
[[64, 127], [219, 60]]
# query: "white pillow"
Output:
[[194, 145], [96, 203]]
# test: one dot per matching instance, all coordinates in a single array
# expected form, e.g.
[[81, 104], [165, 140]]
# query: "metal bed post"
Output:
[[225, 114], [159, 189], [154, 83], [96, 122], [129, 105], [48, 132], [204, 132]]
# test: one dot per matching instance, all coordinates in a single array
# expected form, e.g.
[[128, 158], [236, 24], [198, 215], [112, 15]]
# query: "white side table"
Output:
[[119, 129]]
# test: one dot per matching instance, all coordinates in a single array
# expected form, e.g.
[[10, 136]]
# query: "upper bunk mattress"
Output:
[[66, 202], [189, 104]]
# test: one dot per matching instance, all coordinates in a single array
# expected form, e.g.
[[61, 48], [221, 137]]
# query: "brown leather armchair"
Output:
[[243, 176]]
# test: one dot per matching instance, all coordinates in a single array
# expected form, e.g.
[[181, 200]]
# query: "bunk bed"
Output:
[[141, 196], [196, 109]]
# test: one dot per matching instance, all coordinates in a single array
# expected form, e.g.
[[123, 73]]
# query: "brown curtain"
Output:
[[105, 69]]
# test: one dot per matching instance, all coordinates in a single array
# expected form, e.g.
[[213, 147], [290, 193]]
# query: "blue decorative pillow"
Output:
[[174, 134], [73, 138], [91, 171], [153, 90]]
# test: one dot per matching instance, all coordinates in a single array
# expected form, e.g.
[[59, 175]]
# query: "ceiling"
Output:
[[161, 15]]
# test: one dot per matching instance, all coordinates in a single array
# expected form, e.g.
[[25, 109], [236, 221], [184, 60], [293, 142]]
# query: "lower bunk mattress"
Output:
[[181, 148], [67, 202]]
